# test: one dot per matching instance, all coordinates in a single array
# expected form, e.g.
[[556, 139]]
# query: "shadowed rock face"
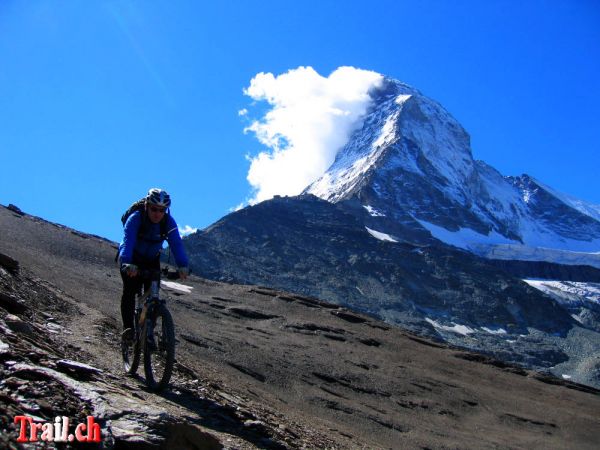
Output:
[[256, 367], [547, 270], [320, 249], [555, 214]]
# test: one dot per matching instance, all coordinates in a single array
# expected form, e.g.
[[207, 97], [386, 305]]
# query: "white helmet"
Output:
[[158, 197]]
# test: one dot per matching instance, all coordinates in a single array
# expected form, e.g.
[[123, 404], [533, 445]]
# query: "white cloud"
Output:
[[238, 207], [187, 230], [310, 118], [242, 112]]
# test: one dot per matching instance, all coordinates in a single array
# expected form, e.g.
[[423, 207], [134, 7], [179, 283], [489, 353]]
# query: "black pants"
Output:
[[133, 286]]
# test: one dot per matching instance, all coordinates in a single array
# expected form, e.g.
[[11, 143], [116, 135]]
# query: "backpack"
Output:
[[140, 206]]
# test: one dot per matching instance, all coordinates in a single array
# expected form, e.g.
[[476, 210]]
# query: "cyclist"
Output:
[[145, 231]]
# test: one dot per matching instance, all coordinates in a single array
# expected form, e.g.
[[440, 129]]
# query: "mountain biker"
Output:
[[140, 250]]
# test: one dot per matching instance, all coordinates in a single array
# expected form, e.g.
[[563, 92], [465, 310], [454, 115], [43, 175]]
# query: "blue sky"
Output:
[[101, 100]]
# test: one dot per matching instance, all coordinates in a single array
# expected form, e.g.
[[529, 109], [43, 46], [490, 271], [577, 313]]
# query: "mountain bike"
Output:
[[154, 336]]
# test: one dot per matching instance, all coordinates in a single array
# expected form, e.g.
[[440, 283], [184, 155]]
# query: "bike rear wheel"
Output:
[[158, 362]]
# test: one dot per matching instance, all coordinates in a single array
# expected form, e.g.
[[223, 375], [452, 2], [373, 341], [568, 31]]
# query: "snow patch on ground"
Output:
[[176, 286], [373, 212], [402, 98], [494, 331], [381, 236], [463, 238], [456, 328]]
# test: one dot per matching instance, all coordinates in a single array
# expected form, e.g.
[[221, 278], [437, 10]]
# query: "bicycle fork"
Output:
[[147, 315], [145, 304]]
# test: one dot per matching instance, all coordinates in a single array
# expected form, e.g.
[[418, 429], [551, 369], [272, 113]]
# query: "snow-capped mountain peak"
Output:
[[411, 157], [400, 112]]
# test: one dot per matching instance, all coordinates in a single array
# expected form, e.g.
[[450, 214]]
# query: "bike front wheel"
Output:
[[131, 351], [160, 357]]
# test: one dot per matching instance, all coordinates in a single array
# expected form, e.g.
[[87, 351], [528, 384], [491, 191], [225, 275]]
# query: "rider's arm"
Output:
[[176, 245], [131, 229]]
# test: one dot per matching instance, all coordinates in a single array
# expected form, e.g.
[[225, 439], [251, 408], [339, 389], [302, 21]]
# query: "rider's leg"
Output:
[[131, 287]]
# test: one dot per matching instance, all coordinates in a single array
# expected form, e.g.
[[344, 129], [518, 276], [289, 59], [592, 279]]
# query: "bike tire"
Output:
[[131, 353], [158, 364]]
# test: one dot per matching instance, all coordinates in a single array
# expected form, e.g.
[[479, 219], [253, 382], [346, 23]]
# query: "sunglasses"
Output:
[[156, 209]]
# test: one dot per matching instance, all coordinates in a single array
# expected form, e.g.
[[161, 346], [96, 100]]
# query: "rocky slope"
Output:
[[547, 270], [257, 368]]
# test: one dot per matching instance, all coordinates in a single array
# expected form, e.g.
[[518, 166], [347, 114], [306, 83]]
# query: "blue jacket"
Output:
[[147, 246]]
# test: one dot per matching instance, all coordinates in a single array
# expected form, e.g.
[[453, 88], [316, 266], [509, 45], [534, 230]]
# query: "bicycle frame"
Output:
[[150, 311], [147, 299]]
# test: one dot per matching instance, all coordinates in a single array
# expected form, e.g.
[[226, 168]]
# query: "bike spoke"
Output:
[[159, 358]]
